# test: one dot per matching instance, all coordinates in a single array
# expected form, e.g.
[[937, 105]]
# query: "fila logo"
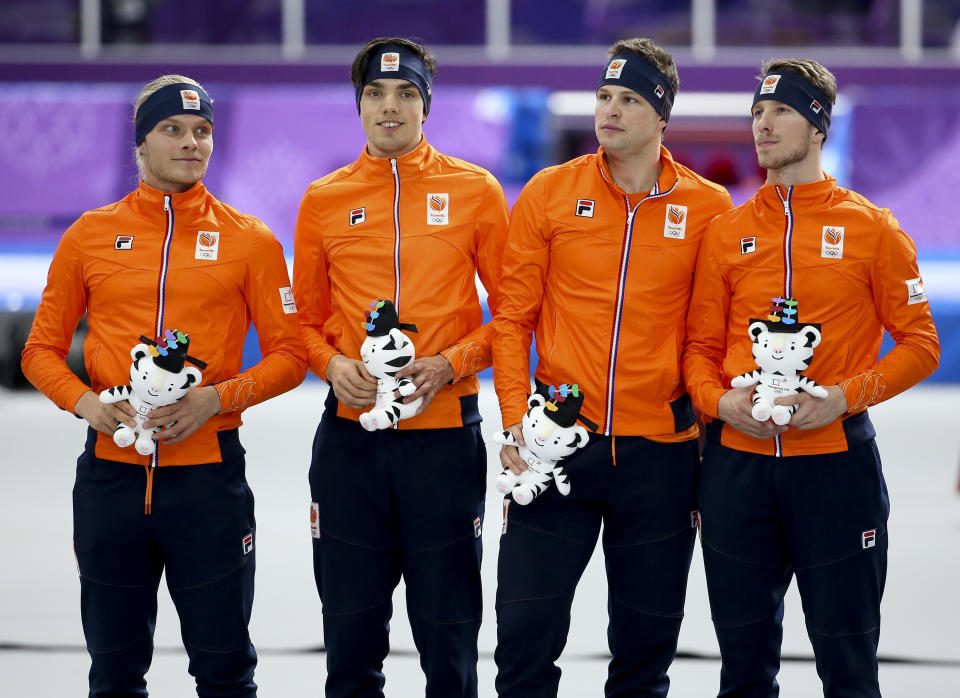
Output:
[[694, 519], [748, 245], [438, 209], [247, 543], [389, 62], [585, 207], [358, 215], [675, 222], [476, 527], [506, 511], [769, 84], [615, 68], [123, 242], [190, 99], [869, 538], [658, 91], [287, 301], [208, 245], [831, 246], [314, 520], [915, 292], [815, 106]]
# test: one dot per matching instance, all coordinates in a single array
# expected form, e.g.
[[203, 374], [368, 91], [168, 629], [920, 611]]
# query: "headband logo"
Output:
[[191, 100], [658, 91], [389, 62], [815, 105], [615, 69], [770, 84], [438, 209], [831, 247]]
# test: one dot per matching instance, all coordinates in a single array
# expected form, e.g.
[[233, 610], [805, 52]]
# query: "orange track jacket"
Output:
[[140, 266], [606, 286], [851, 269], [416, 230]]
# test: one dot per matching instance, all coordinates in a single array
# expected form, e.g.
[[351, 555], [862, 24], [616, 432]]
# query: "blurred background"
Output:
[[514, 93]]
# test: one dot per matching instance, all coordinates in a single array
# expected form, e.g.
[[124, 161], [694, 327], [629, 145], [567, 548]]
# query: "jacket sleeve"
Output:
[[705, 344], [62, 305], [274, 315], [525, 262], [473, 353], [311, 285], [903, 308]]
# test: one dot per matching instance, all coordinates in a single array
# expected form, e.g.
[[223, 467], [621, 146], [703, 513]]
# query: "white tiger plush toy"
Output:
[[551, 434], [385, 351], [782, 349], [158, 377]]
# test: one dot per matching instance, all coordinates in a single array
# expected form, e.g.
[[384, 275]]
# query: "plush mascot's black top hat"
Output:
[[382, 317], [173, 354], [564, 407]]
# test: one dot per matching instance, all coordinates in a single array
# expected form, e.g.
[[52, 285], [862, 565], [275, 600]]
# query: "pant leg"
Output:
[[544, 548], [119, 574], [648, 539], [356, 555], [835, 513], [441, 544], [747, 567], [203, 516]]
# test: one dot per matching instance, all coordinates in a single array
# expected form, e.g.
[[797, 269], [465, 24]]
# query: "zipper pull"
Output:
[[393, 165], [166, 202]]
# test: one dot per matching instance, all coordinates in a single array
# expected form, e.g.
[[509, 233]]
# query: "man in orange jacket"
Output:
[[167, 255], [802, 492], [599, 264], [407, 224]]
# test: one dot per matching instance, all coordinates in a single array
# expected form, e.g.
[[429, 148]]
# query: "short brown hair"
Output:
[[808, 69], [647, 49], [359, 67]]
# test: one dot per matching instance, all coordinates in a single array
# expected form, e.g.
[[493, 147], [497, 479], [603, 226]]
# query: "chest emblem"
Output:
[[438, 209], [748, 245], [208, 245], [831, 243], [675, 222], [585, 207], [123, 242], [358, 215]]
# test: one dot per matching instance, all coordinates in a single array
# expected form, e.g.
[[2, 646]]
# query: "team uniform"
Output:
[[603, 278], [415, 229], [809, 502], [148, 262]]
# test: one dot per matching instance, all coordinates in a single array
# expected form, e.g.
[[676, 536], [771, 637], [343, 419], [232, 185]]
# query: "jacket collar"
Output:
[[191, 202], [665, 182], [809, 195], [410, 164]]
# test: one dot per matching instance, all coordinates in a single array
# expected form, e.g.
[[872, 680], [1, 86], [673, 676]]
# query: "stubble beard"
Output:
[[769, 162]]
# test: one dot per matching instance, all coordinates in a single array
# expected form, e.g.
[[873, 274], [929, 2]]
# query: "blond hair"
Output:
[[647, 49], [808, 69], [144, 95]]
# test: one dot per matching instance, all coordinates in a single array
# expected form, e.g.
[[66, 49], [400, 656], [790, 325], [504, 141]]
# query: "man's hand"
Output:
[[815, 412], [429, 374], [510, 455], [185, 416], [102, 416], [352, 384], [735, 408]]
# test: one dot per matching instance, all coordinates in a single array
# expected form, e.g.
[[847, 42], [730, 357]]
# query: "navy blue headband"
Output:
[[636, 73], [181, 98], [795, 91], [398, 62]]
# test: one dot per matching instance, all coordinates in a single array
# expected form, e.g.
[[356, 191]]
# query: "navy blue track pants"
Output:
[[390, 503], [200, 532], [644, 496], [822, 518]]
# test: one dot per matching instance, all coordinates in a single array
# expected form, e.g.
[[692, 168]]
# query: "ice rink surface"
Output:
[[42, 653]]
